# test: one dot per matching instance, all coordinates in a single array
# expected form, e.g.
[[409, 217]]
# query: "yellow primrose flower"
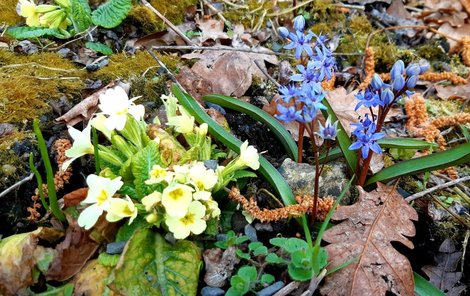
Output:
[[201, 177], [151, 200], [183, 123], [213, 208], [248, 156], [27, 9], [159, 174], [53, 19], [81, 145], [100, 191], [192, 222], [121, 208], [98, 123], [181, 173], [116, 104], [176, 199]]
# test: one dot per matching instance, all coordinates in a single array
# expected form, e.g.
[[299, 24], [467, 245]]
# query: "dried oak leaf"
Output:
[[75, 197], [85, 109], [364, 236], [211, 29], [72, 254], [457, 33], [461, 91], [466, 5], [444, 276]]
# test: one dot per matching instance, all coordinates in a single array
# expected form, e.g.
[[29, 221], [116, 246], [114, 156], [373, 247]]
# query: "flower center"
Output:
[[176, 194], [188, 219], [102, 197]]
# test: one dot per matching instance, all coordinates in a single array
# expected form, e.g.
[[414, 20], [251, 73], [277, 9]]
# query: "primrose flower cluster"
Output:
[[145, 170], [382, 95], [302, 99], [48, 16]]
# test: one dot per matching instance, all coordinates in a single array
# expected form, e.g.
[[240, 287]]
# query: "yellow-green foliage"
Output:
[[359, 24], [431, 51], [252, 14], [26, 85], [8, 13]]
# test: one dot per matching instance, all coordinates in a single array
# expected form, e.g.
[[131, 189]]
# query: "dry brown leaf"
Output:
[[453, 92], [196, 85], [75, 197], [398, 10], [6, 129], [365, 234], [457, 33], [211, 29], [72, 254], [230, 72], [466, 5], [91, 281], [444, 276], [85, 109]]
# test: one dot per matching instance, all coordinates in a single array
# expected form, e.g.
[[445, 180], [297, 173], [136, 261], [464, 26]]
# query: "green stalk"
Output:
[[39, 180], [49, 173], [96, 150]]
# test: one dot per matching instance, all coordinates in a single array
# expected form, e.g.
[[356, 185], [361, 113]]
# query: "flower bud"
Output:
[[377, 82], [299, 23], [424, 66], [398, 83], [412, 69], [152, 218], [45, 8], [387, 96], [63, 3], [283, 32], [411, 81], [121, 144], [397, 70]]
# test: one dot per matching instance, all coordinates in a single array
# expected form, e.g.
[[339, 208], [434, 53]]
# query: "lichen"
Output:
[[8, 14]]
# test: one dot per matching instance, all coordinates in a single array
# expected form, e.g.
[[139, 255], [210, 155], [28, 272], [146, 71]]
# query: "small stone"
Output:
[[221, 237], [211, 291], [211, 164], [268, 291], [238, 222], [219, 265], [250, 231], [264, 227], [115, 247], [64, 52]]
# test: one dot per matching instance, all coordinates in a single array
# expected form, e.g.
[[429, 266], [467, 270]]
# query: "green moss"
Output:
[[26, 85], [458, 67], [360, 24], [8, 13], [431, 51]]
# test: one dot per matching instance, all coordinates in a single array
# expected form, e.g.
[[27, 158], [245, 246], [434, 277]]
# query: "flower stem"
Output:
[[300, 141]]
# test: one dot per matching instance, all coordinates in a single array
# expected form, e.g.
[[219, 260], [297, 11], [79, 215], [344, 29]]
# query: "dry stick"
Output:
[[266, 74], [34, 64], [167, 22], [457, 217], [219, 14], [292, 286], [83, 35], [435, 188], [285, 11], [17, 184]]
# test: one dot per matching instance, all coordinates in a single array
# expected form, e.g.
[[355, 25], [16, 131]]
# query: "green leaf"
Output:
[[278, 241], [342, 138], [243, 174], [294, 244], [65, 290], [152, 266], [256, 113], [239, 286], [254, 245], [80, 14], [435, 161], [248, 273], [260, 251], [266, 169], [425, 288], [141, 165], [112, 13], [126, 231], [274, 259], [267, 279], [242, 254], [108, 260], [405, 143], [299, 274], [241, 239], [35, 32], [99, 47]]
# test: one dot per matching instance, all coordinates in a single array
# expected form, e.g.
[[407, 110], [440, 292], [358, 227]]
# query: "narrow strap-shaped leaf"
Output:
[[256, 113], [425, 288], [405, 143], [435, 161], [342, 138], [266, 169]]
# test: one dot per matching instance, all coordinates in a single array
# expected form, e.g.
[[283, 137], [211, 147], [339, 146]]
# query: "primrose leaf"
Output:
[[248, 273], [294, 244], [242, 254], [243, 174], [274, 259], [35, 32], [80, 13], [141, 165], [278, 241], [298, 273], [99, 47], [260, 251], [267, 278], [112, 13], [152, 266]]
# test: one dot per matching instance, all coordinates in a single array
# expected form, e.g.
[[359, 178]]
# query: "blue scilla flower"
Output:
[[283, 32], [387, 96], [307, 74], [398, 69], [423, 66], [329, 131], [412, 81], [366, 140], [413, 69], [323, 63], [301, 43], [377, 82], [288, 114], [311, 93], [368, 99], [362, 124], [288, 92], [299, 23]]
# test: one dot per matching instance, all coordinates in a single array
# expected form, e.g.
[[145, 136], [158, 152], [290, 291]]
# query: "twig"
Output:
[[464, 245], [461, 186], [435, 188], [154, 56], [457, 217], [350, 6], [83, 35], [219, 14], [292, 286], [291, 9], [17, 184], [51, 78], [266, 74], [34, 64], [235, 5], [167, 22]]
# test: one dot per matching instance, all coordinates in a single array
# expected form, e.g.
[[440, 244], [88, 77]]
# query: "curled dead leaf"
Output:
[[75, 197]]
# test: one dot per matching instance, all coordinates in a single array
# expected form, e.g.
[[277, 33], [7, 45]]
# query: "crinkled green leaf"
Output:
[[152, 266], [80, 13], [243, 174], [65, 290], [35, 32], [274, 259], [112, 13], [141, 165], [242, 254], [99, 47], [267, 278], [126, 231], [108, 260], [254, 245]]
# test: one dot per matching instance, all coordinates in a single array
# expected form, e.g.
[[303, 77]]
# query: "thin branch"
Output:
[[435, 188], [291, 9], [266, 74], [16, 185], [350, 6], [219, 14], [34, 64], [83, 35], [167, 22]]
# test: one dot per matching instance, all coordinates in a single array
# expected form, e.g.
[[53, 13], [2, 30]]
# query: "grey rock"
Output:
[[115, 247], [210, 291], [219, 265], [300, 177], [250, 231], [221, 237], [270, 290], [266, 227]]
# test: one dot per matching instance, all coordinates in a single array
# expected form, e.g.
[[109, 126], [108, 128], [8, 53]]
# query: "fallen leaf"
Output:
[[75, 197], [457, 33], [364, 238], [6, 129], [453, 92], [466, 5], [444, 276], [211, 29], [196, 85], [219, 265], [398, 10], [72, 254], [85, 109], [376, 163], [92, 280], [19, 253]]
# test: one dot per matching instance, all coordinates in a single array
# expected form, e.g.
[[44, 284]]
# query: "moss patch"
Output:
[[8, 13]]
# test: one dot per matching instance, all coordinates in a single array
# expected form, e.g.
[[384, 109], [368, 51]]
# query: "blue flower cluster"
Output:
[[383, 95], [305, 94]]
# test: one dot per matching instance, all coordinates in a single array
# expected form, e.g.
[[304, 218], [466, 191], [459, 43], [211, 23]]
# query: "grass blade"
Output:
[[435, 161], [405, 143], [425, 288], [342, 138], [266, 169], [256, 113]]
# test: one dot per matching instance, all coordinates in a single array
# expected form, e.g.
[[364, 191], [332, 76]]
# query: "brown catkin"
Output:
[[466, 50], [329, 84], [369, 68], [434, 77]]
